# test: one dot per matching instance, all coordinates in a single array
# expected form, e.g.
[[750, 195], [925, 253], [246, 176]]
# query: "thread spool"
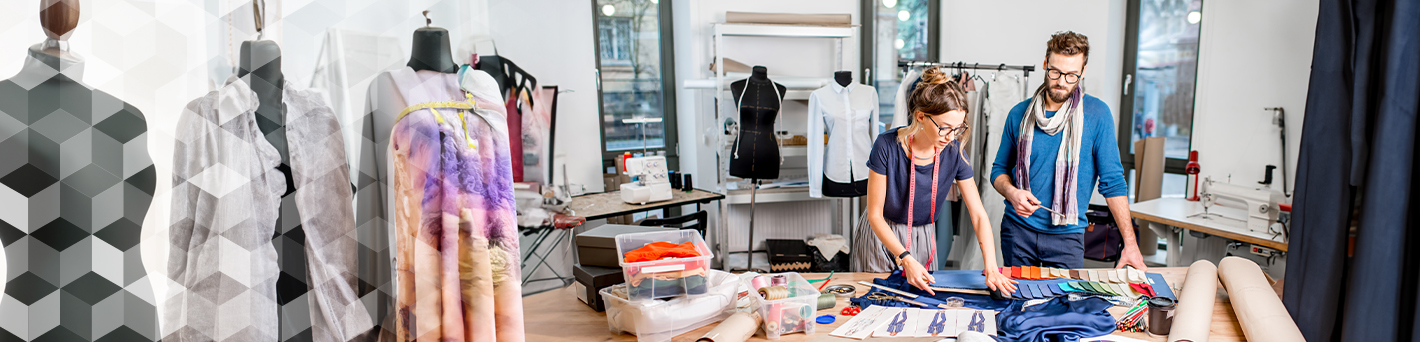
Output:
[[758, 282], [827, 301], [774, 292], [778, 280]]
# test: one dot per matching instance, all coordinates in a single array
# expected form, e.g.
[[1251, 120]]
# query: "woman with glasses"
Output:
[[912, 168]]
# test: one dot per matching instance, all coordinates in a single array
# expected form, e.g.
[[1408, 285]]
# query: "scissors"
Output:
[[883, 296]]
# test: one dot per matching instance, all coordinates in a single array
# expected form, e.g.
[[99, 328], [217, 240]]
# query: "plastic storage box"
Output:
[[664, 278], [661, 320], [792, 313]]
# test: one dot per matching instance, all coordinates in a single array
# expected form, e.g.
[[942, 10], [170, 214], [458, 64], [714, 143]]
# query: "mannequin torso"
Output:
[[756, 152]]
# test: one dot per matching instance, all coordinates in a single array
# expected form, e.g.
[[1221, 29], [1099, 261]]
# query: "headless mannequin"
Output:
[[86, 179], [758, 100], [835, 189], [756, 152], [260, 68], [384, 102]]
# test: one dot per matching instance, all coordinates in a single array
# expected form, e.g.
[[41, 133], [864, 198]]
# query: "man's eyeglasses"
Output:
[[948, 131], [1055, 74]]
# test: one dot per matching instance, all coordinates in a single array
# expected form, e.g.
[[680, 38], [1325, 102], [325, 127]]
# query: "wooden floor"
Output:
[[557, 315]]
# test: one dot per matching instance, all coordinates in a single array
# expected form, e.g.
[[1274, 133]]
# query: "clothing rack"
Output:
[[1027, 69]]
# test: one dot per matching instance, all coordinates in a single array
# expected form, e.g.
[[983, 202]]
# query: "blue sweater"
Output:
[[1099, 160]]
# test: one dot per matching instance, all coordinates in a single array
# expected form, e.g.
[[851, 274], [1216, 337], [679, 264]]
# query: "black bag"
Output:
[[839, 263], [1102, 239]]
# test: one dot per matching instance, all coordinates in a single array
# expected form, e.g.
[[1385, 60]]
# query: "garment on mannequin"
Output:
[[842, 125], [756, 151], [77, 181], [397, 144]]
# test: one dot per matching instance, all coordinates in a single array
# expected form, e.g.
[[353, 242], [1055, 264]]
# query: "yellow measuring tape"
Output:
[[434, 107]]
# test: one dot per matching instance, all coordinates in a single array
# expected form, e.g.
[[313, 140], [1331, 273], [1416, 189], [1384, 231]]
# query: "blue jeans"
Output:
[[1021, 246]]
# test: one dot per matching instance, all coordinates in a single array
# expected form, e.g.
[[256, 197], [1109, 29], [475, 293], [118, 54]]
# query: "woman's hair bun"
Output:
[[934, 76]]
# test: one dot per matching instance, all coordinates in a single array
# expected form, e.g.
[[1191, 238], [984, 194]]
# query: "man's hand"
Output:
[[1130, 256], [1023, 201]]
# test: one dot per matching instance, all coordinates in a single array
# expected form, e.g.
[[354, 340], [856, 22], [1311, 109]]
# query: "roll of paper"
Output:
[[736, 328], [1194, 313], [1259, 311]]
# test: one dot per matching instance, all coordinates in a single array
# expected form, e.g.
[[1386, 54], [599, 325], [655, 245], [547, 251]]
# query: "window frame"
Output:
[[668, 100], [1129, 84], [867, 54]]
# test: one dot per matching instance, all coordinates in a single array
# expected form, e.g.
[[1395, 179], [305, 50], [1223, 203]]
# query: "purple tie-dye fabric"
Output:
[[456, 262]]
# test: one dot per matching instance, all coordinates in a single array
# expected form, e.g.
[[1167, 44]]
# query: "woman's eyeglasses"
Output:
[[948, 131]]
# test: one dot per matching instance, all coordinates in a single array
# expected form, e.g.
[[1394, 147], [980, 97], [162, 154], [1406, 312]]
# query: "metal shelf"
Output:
[[772, 196], [771, 30]]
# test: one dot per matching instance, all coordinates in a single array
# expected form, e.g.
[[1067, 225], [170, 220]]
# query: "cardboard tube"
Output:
[[1259, 311], [1194, 313], [736, 328]]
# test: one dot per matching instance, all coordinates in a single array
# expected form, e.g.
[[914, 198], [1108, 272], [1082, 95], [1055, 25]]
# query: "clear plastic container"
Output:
[[664, 278], [792, 313], [661, 320]]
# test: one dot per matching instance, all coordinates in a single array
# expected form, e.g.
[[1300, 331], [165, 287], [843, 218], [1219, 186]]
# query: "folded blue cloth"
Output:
[[1056, 320]]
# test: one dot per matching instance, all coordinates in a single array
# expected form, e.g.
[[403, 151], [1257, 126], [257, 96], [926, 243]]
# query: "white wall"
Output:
[[552, 40], [1252, 55]]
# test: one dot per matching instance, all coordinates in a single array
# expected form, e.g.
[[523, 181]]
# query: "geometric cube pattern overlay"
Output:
[[256, 259], [77, 181]]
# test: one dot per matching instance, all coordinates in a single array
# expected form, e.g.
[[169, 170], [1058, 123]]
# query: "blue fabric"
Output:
[[1056, 320], [1022, 246], [889, 159], [1099, 162]]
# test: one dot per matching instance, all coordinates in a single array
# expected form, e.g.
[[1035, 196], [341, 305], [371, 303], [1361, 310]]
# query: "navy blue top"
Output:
[[889, 159], [1099, 161]]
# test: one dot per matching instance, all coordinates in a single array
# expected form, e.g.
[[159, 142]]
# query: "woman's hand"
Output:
[[917, 275], [997, 281]]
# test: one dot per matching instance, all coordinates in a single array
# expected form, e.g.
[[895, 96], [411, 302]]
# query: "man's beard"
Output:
[[1058, 97]]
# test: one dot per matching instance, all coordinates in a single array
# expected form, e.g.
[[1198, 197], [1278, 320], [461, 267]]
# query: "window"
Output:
[[901, 30], [1161, 66], [615, 39], [638, 114]]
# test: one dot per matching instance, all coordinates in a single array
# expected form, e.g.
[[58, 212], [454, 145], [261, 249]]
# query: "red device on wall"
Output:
[[1192, 170]]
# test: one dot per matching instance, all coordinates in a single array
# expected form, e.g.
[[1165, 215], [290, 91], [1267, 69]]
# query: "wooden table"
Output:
[[558, 316], [608, 204]]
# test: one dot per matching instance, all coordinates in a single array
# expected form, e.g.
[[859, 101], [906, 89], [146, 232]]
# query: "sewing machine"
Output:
[[1258, 203], [650, 180]]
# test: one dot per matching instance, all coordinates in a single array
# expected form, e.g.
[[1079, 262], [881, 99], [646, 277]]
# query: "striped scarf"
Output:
[[1069, 120]]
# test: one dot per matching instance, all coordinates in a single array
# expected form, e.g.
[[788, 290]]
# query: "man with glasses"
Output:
[[1054, 147]]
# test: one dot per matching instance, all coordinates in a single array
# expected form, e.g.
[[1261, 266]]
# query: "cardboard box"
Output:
[[591, 279], [597, 247]]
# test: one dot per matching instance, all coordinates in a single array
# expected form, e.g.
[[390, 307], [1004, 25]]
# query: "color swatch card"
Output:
[[863, 324], [901, 322]]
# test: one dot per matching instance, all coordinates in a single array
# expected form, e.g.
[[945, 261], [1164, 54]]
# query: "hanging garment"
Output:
[[756, 152], [451, 209], [226, 202], [1002, 93], [848, 118], [900, 114], [1356, 188], [75, 185]]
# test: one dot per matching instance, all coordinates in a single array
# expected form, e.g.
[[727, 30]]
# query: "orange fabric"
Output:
[[662, 250]]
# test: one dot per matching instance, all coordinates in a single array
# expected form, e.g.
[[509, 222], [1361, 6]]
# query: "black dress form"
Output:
[[831, 188], [755, 154]]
